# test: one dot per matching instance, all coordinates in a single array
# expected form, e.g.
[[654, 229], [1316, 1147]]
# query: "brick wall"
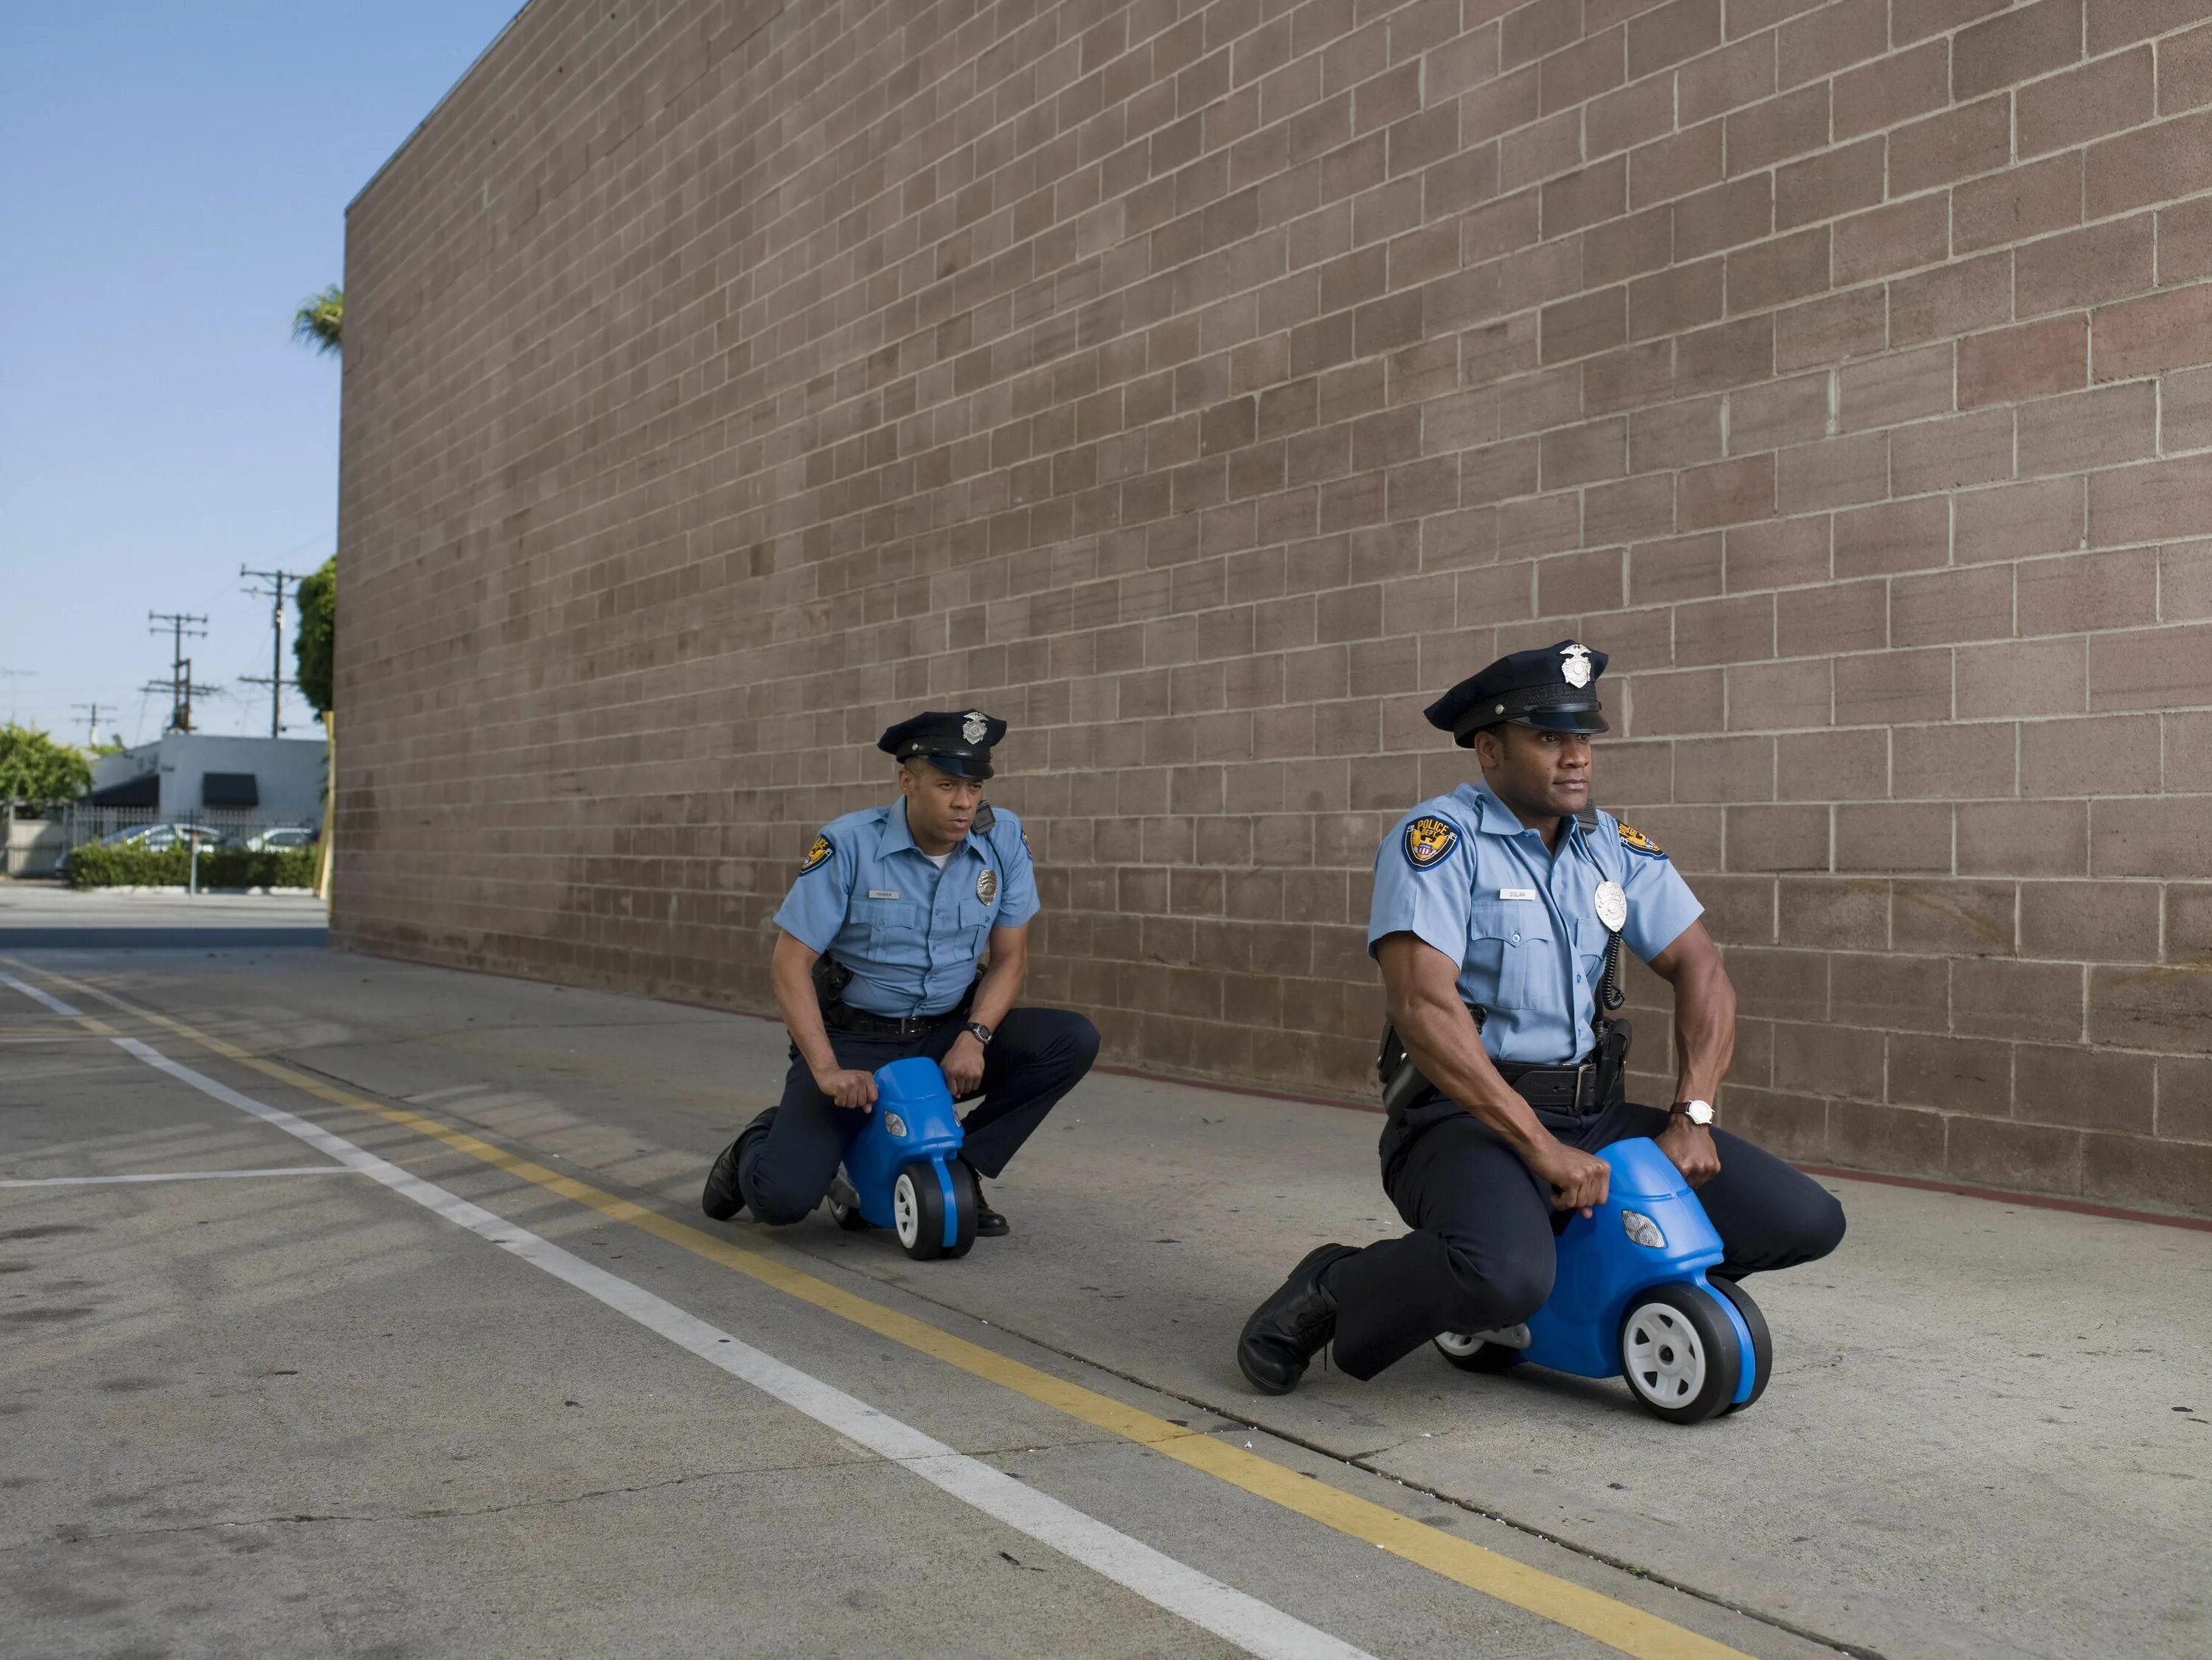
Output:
[[1203, 386]]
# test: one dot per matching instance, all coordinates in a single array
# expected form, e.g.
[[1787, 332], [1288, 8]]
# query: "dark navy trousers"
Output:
[[1035, 1057], [1481, 1254]]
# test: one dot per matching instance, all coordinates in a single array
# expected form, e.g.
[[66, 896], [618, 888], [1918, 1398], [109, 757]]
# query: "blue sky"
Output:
[[172, 182]]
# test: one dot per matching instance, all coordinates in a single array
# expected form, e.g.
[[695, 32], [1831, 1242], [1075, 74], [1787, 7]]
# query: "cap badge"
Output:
[[1611, 903], [974, 726], [1575, 665], [1428, 840], [987, 884]]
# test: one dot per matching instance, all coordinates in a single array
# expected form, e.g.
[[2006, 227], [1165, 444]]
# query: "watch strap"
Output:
[[981, 1033]]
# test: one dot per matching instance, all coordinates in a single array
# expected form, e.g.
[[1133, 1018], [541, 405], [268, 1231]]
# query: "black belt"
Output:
[[1560, 1088], [843, 1017]]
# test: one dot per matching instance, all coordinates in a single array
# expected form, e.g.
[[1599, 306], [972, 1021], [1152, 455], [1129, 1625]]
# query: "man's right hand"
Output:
[[1578, 1181], [847, 1089]]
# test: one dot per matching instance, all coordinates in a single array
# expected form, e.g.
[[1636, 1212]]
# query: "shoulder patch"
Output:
[[1026, 848], [817, 856], [1637, 842], [1428, 841]]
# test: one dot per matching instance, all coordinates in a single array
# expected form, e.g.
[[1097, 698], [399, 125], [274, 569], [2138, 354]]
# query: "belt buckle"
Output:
[[1585, 1075]]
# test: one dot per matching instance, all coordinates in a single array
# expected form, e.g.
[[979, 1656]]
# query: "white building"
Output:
[[276, 780]]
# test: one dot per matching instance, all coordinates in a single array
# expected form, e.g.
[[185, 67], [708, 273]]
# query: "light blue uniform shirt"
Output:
[[911, 934], [1465, 876]]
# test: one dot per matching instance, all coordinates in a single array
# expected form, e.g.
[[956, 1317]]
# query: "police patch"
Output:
[[987, 884], [1428, 841], [1637, 842], [817, 856]]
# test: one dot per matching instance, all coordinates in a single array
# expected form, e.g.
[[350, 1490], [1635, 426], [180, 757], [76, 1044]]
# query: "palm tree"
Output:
[[320, 320]]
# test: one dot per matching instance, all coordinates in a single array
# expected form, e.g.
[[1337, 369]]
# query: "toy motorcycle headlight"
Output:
[[895, 1125], [1641, 1229]]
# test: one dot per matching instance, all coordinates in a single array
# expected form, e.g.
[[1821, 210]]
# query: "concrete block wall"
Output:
[[1202, 384]]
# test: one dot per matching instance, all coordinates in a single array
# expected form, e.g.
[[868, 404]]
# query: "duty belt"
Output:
[[863, 1022], [1559, 1088]]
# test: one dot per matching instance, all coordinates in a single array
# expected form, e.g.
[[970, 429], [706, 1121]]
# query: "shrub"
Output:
[[108, 864]]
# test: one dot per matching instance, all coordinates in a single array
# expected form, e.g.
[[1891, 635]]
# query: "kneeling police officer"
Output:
[[1498, 912], [877, 961]]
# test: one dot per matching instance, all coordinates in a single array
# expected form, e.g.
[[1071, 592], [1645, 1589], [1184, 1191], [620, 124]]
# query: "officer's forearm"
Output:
[[791, 971], [1002, 983], [1704, 1028], [1440, 1036]]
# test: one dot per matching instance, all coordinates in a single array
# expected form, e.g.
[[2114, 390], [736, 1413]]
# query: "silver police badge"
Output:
[[1575, 665], [987, 884], [975, 726], [1612, 904]]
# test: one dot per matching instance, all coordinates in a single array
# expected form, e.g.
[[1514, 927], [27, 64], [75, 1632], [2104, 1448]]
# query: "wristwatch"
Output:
[[1698, 1112], [979, 1032]]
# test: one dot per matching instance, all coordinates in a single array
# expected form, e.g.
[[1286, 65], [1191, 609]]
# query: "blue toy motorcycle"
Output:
[[1632, 1300], [902, 1170]]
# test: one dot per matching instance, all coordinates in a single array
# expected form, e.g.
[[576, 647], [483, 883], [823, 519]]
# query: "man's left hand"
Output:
[[963, 1066], [1690, 1145]]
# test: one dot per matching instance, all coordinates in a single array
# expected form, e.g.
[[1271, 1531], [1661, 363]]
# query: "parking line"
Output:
[[1257, 1628], [177, 1176], [1618, 1625]]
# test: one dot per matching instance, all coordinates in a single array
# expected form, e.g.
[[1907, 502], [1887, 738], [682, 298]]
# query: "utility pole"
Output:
[[275, 679], [92, 721], [180, 624]]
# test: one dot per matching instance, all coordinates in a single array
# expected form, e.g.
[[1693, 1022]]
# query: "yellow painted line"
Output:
[[1616, 1624]]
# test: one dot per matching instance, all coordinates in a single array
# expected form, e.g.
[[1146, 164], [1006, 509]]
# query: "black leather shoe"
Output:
[[1287, 1330], [722, 1200], [989, 1224]]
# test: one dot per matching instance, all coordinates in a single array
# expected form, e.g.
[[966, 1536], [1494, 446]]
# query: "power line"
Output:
[[180, 624], [11, 676], [274, 678], [92, 721]]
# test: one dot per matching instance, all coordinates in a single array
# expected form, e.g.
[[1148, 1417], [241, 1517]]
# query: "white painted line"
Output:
[[37, 996], [179, 1176], [1255, 1627]]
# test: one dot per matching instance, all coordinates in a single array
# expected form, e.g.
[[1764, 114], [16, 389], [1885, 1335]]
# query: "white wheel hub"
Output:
[[906, 1211], [1660, 1351], [1458, 1342]]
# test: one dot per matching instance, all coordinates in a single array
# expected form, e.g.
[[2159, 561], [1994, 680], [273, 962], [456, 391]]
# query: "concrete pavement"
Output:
[[1972, 1445]]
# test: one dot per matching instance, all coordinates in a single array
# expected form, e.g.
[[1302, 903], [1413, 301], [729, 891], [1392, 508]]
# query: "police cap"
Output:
[[1553, 688], [957, 740]]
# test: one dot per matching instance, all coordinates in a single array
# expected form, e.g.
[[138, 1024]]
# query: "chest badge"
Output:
[[987, 884], [1611, 903], [1428, 841]]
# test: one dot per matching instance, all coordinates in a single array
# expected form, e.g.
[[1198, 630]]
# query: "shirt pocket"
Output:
[[1509, 944], [1589, 951], [976, 917], [897, 927]]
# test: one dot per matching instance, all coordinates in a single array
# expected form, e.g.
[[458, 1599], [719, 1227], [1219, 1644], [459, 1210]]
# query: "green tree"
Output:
[[34, 768], [320, 320], [313, 644]]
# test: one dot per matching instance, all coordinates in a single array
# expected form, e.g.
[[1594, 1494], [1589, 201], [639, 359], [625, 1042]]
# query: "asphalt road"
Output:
[[411, 1342]]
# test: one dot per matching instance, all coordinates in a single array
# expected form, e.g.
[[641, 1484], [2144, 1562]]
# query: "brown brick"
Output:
[[1957, 144], [1781, 127], [2156, 163], [2185, 72], [1892, 686], [1828, 1060], [1777, 838], [1724, 630], [1994, 997], [2022, 677], [1904, 536], [1834, 182], [1771, 694], [1663, 36], [1777, 555], [1864, 1136], [2083, 267], [2189, 751], [2090, 1089], [1724, 769], [2023, 43], [2185, 582], [1841, 617], [1896, 993], [1973, 294], [1975, 448], [1675, 165], [2024, 839], [1906, 386], [2122, 22], [1832, 766], [1587, 323], [1780, 984], [2188, 933], [2017, 520], [2091, 921], [1892, 89], [2036, 1158], [1891, 836], [2160, 1009], [2099, 98], [1680, 297], [2103, 756], [1724, 217], [1725, 80], [1830, 330], [1781, 412], [2089, 590], [2107, 427], [1958, 919], [1851, 913], [1598, 192], [1897, 238], [1961, 1075], [2158, 502], [1973, 603], [1726, 492], [1833, 472], [2027, 361], [2161, 837], [2159, 332], [2019, 203], [2136, 1170], [1952, 761], [2184, 1100]]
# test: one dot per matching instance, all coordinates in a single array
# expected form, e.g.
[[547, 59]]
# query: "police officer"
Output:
[[1495, 915], [877, 960]]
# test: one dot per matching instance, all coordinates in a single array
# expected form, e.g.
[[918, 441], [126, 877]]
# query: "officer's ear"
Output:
[[1490, 748]]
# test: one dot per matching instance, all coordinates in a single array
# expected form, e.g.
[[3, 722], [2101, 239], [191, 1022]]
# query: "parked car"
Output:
[[155, 837], [282, 838]]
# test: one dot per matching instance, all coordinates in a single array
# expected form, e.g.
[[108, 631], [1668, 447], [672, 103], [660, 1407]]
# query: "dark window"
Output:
[[229, 790]]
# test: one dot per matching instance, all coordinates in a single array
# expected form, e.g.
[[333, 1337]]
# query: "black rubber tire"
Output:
[[924, 1200], [1490, 1358], [963, 1200], [845, 1211], [1762, 1342], [1665, 1312]]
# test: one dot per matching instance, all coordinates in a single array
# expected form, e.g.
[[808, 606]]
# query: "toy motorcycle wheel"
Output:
[[1762, 1342], [1473, 1354], [1679, 1353], [918, 1210], [845, 1206]]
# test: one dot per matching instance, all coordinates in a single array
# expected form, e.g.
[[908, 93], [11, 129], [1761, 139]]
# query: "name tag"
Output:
[[892, 894], [1517, 892]]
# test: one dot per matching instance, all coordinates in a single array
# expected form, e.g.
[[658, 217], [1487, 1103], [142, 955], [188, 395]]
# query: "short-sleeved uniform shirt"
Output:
[[1470, 878], [911, 934]]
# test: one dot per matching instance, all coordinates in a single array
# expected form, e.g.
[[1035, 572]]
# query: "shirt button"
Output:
[[1516, 939]]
